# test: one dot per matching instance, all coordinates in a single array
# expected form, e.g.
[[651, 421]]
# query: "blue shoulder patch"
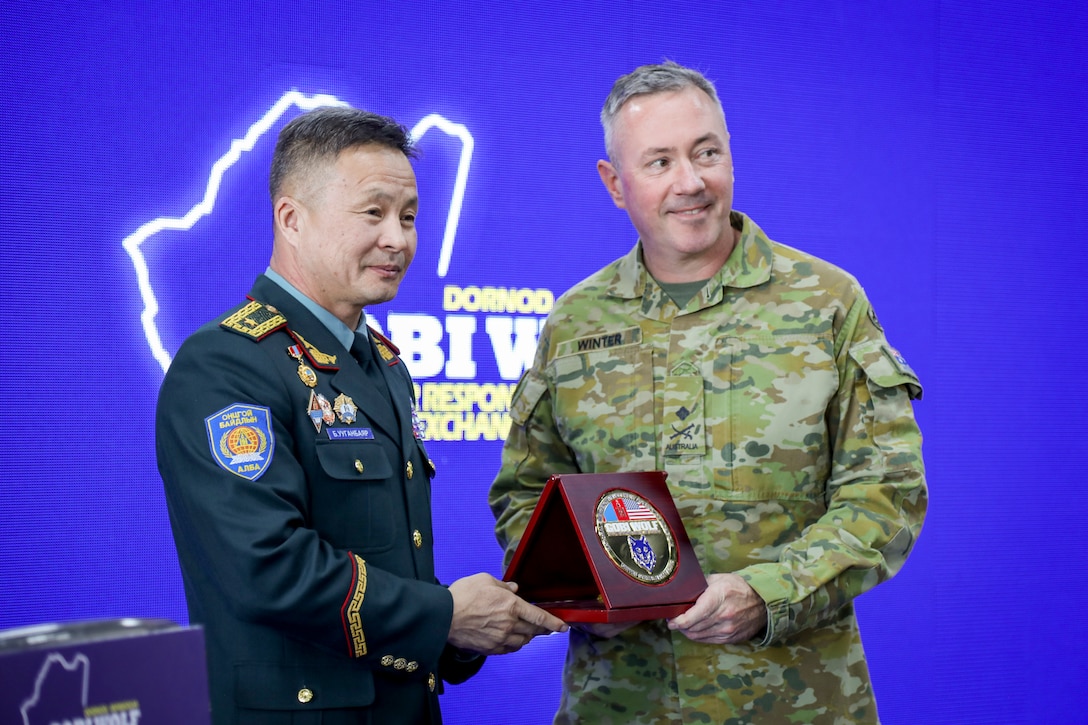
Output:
[[241, 439]]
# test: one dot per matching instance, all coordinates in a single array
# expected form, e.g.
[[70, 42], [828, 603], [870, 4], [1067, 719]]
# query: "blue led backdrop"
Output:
[[935, 149]]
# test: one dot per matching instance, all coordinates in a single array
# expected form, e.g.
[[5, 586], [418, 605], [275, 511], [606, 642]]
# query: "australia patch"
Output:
[[241, 439]]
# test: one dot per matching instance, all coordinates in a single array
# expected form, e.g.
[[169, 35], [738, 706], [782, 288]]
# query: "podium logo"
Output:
[[60, 698]]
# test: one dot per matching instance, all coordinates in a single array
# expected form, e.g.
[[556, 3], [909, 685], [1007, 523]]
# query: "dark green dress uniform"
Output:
[[299, 498]]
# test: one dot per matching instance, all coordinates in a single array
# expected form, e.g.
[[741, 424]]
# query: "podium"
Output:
[[607, 547], [120, 672]]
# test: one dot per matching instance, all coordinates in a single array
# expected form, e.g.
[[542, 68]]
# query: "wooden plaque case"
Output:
[[562, 564]]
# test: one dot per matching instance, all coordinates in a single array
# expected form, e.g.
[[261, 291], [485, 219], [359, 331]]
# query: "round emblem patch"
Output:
[[636, 537]]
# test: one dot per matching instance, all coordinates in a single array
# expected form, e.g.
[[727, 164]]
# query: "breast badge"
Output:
[[241, 439], [315, 411], [345, 409], [636, 537]]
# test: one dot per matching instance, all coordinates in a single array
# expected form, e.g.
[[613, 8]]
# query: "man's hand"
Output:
[[489, 618], [729, 611]]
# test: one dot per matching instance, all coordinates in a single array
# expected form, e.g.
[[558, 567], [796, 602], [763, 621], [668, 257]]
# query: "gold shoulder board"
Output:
[[254, 320]]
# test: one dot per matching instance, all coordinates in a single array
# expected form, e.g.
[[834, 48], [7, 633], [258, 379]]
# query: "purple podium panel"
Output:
[[117, 672]]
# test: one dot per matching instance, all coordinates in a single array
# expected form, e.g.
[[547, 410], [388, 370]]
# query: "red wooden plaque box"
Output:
[[562, 563]]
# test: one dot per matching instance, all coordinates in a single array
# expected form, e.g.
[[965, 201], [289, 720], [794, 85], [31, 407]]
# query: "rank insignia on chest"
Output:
[[683, 411], [241, 439]]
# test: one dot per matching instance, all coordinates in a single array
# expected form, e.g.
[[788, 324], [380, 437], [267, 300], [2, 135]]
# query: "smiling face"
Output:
[[345, 233], [673, 173]]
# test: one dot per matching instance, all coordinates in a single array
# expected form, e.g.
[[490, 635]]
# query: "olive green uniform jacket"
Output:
[[783, 418]]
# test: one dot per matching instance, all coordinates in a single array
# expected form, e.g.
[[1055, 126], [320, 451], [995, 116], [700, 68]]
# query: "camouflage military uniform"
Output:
[[784, 421]]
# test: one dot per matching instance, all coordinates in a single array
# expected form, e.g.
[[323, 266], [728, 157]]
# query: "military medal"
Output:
[[419, 426], [305, 373], [345, 409], [326, 409], [317, 415], [636, 537]]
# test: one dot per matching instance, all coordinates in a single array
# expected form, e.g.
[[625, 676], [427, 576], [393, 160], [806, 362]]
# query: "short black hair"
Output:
[[322, 134]]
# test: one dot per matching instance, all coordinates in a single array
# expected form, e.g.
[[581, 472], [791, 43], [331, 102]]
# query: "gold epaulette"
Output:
[[255, 320]]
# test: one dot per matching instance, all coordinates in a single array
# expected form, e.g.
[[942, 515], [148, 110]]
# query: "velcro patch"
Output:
[[600, 341], [241, 439]]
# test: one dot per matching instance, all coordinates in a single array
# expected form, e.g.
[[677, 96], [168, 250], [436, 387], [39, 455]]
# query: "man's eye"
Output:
[[710, 153], [409, 218], [659, 163]]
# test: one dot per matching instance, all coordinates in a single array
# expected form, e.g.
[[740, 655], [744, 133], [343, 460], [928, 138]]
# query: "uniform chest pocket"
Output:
[[603, 402], [352, 506], [351, 461], [767, 398]]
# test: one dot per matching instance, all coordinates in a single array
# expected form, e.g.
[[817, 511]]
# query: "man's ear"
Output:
[[610, 177], [288, 216]]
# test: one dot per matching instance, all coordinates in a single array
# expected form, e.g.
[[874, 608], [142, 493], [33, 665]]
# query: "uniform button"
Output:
[[412, 667], [387, 660], [430, 682], [358, 465], [431, 468], [305, 695], [417, 538], [408, 469], [400, 664]]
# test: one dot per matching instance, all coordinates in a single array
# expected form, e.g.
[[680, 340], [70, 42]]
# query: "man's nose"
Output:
[[394, 236], [688, 180]]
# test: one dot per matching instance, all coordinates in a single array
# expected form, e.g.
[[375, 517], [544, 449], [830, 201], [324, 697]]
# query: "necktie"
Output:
[[363, 351]]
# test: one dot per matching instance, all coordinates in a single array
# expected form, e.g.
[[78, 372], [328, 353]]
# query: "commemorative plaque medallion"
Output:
[[636, 537], [607, 547]]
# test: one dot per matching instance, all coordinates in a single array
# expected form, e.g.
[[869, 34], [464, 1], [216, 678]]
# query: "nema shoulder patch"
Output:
[[254, 320], [241, 439]]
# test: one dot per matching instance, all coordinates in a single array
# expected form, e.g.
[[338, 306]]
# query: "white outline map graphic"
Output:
[[133, 242], [78, 660]]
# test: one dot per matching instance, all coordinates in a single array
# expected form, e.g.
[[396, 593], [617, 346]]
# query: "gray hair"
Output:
[[647, 80], [322, 134]]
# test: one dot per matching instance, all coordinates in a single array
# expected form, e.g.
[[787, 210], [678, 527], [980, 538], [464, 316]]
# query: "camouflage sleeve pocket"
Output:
[[887, 412], [885, 367], [527, 394]]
